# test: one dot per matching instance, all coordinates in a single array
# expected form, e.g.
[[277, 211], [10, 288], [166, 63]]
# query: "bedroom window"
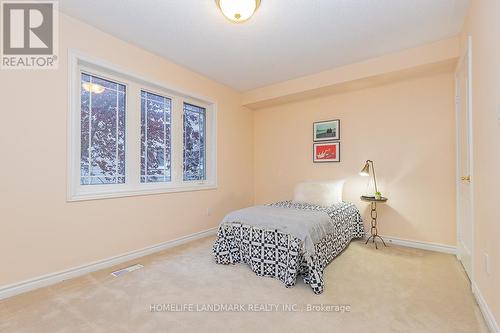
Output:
[[155, 138], [102, 149], [130, 136], [194, 142]]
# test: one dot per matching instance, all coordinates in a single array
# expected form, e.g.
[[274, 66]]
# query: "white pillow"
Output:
[[325, 193]]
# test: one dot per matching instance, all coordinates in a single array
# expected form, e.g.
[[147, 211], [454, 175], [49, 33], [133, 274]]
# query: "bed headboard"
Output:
[[323, 193]]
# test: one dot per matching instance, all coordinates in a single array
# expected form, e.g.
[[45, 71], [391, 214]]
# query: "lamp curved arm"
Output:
[[374, 177]]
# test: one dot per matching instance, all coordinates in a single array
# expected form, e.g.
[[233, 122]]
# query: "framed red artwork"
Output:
[[326, 152]]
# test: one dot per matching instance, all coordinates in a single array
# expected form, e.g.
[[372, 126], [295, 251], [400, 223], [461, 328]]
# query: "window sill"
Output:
[[188, 187]]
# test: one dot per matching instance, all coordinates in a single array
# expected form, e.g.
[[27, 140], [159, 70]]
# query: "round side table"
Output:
[[374, 231]]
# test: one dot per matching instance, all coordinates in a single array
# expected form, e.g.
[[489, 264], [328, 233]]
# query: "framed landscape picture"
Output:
[[326, 152], [326, 130]]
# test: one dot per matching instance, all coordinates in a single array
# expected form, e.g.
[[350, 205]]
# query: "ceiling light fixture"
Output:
[[238, 11]]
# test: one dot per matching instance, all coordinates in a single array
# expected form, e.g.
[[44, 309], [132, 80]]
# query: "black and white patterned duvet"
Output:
[[271, 252]]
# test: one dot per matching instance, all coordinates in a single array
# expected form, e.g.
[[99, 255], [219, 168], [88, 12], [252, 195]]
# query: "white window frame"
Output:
[[78, 62]]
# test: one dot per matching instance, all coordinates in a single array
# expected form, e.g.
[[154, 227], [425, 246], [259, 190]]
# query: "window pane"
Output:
[[102, 155], [194, 142], [155, 138]]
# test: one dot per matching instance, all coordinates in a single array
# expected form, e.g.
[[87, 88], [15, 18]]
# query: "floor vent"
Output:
[[127, 270]]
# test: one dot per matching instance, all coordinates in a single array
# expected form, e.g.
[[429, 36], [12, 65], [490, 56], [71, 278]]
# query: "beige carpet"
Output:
[[392, 289]]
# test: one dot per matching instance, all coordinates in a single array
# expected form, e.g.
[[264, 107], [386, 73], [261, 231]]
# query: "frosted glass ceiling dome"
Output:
[[238, 11]]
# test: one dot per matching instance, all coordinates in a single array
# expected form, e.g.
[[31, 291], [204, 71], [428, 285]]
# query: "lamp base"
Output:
[[372, 237]]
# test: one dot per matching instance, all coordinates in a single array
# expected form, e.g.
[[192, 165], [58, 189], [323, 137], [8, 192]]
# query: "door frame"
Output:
[[465, 55]]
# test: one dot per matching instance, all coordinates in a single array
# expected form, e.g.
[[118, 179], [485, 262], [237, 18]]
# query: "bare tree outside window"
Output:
[[194, 142], [155, 138], [102, 153]]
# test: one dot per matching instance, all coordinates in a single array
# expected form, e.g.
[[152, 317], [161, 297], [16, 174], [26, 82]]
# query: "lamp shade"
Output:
[[366, 170]]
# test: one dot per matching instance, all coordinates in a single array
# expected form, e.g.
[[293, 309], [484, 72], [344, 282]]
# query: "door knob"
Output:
[[465, 178]]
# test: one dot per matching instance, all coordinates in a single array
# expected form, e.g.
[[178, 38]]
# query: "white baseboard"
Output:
[[485, 310], [418, 244], [49, 279]]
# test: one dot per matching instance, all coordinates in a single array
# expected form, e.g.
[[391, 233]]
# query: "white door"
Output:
[[465, 230]]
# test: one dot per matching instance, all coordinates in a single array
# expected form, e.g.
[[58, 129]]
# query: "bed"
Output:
[[289, 239]]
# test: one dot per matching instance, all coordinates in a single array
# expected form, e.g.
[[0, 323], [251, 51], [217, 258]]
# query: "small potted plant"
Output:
[[378, 195]]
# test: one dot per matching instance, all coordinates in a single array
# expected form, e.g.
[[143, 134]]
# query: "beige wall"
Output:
[[40, 232], [407, 128], [483, 25]]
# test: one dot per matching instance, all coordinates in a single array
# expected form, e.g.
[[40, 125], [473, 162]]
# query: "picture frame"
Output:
[[326, 152], [326, 130]]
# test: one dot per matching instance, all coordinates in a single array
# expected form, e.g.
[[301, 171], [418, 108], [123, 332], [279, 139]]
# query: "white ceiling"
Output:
[[285, 39]]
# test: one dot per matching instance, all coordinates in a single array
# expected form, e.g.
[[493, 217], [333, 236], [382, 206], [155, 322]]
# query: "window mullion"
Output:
[[176, 140], [117, 112], [146, 143], [133, 135], [165, 163], [202, 134]]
